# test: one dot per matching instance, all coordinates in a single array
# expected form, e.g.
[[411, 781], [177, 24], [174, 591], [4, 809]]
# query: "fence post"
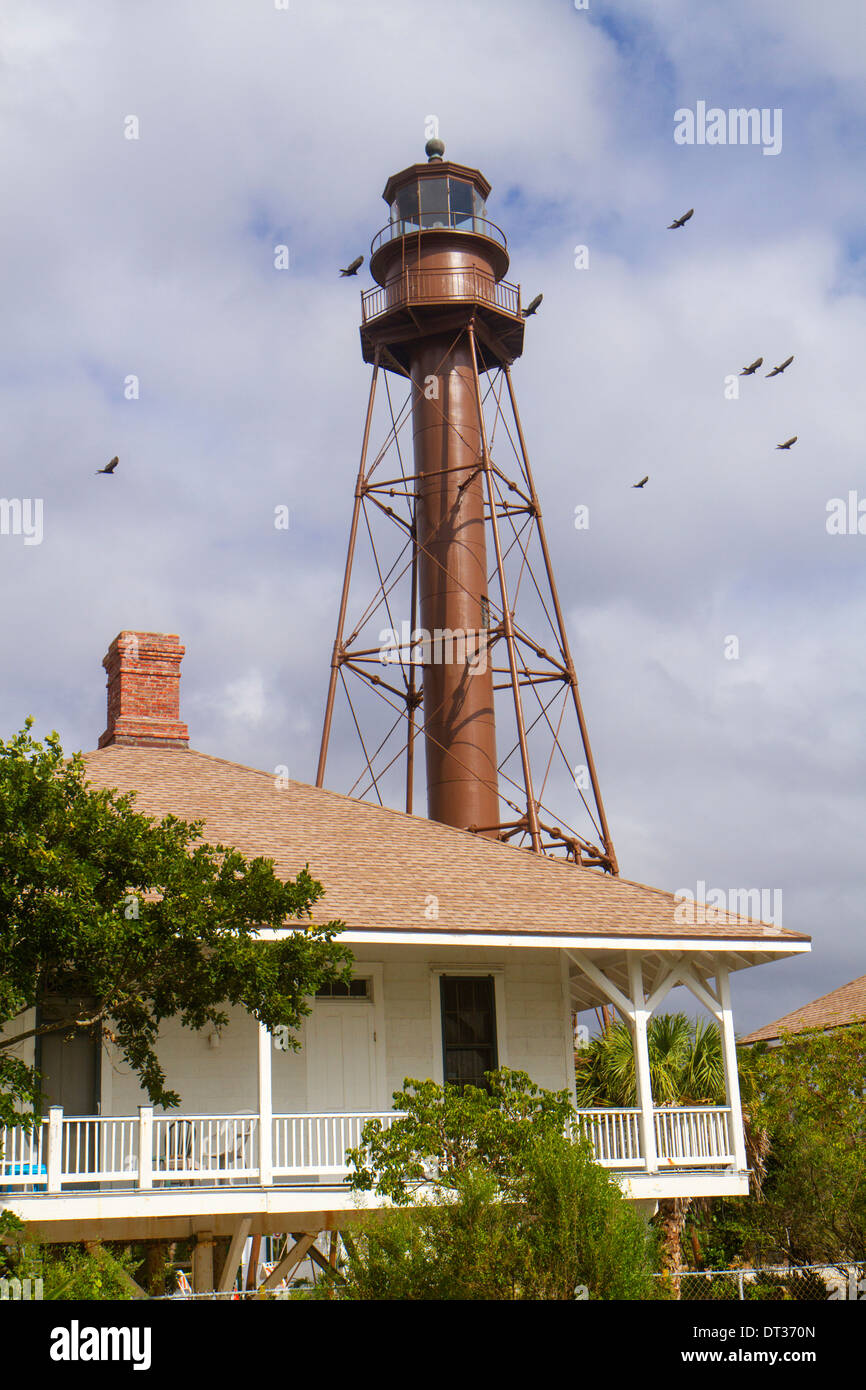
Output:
[[54, 1163], [740, 1285], [145, 1146]]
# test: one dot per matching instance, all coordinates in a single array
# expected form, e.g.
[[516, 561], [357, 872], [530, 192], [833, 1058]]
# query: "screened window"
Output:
[[468, 1029]]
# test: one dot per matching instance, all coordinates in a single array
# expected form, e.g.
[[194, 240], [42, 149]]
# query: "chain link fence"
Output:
[[778, 1283]]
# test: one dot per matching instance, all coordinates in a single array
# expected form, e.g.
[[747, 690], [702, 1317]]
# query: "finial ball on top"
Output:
[[434, 149]]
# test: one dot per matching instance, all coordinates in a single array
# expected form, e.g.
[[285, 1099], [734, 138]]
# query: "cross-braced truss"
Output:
[[378, 658]]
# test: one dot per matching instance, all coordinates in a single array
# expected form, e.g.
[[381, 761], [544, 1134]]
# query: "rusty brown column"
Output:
[[452, 581]]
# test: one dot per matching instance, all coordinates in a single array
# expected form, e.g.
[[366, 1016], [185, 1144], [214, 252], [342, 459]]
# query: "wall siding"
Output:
[[224, 1080]]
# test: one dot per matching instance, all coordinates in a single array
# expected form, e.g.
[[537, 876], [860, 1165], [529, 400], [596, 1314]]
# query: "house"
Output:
[[469, 954], [838, 1009]]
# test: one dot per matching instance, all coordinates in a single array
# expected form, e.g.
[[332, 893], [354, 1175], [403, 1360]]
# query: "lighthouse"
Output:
[[445, 501]]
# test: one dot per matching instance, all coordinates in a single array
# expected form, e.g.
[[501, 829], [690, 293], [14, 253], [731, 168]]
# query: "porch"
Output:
[[67, 1154]]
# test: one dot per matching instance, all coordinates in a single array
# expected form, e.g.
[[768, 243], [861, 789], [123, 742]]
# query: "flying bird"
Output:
[[532, 306], [752, 367], [681, 221], [788, 442], [109, 467], [354, 266], [777, 371], [643, 482]]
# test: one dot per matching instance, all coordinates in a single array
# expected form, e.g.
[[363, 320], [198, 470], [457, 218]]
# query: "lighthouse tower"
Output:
[[452, 616]]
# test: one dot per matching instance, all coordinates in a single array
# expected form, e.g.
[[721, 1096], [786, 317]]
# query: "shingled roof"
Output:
[[381, 867], [841, 1006]]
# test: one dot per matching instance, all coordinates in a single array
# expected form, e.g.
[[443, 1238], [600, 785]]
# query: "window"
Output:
[[461, 202], [405, 208], [434, 202], [338, 989], [437, 202], [468, 1029]]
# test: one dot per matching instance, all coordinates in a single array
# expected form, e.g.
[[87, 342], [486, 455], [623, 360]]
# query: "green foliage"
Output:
[[99, 900], [813, 1105], [66, 1271], [511, 1208], [11, 1226], [686, 1064], [72, 1272], [808, 1097], [447, 1131]]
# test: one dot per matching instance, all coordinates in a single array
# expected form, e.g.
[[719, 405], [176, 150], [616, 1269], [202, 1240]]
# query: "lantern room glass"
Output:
[[438, 202]]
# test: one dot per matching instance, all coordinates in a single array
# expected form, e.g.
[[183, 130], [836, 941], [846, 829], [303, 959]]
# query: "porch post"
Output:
[[54, 1163], [643, 1082], [145, 1147], [732, 1074], [266, 1109]]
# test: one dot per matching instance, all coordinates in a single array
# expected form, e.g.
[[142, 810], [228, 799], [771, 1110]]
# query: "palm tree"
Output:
[[686, 1068]]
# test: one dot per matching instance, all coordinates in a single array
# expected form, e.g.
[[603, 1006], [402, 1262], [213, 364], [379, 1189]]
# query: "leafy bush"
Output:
[[504, 1204]]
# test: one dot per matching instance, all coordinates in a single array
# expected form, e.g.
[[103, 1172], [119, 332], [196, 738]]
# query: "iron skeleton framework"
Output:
[[455, 538], [523, 661]]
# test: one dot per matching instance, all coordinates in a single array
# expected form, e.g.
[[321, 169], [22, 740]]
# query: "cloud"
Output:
[[258, 127]]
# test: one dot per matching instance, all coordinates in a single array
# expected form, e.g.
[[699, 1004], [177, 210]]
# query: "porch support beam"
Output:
[[702, 992], [607, 986], [643, 1081], [202, 1263], [235, 1254], [732, 1074], [288, 1262], [683, 973], [266, 1109]]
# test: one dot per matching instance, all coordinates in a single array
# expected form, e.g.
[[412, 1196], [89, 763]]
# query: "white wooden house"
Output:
[[469, 954]]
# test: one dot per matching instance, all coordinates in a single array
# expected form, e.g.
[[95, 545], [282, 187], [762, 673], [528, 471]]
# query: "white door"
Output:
[[341, 1064]]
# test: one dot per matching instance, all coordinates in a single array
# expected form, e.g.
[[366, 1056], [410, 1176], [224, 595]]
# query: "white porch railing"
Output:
[[685, 1136], [146, 1151], [310, 1145], [694, 1136], [614, 1135]]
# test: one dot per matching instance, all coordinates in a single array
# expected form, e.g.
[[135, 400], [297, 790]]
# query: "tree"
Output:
[[504, 1204], [813, 1105], [686, 1068], [142, 917], [685, 1058]]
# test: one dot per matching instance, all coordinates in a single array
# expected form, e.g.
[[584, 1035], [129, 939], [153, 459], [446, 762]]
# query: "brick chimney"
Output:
[[144, 691]]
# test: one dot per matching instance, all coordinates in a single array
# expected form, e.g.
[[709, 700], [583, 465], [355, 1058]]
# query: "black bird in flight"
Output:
[[354, 266], [532, 306], [788, 442], [109, 467], [643, 482], [777, 371], [752, 367], [681, 221]]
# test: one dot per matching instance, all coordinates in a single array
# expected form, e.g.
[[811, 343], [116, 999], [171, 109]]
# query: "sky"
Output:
[[261, 126]]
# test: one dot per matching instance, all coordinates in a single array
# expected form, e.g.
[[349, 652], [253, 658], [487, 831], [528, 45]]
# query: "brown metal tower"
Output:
[[443, 321]]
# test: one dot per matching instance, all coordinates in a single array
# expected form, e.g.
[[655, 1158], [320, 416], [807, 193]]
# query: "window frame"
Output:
[[500, 1016]]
